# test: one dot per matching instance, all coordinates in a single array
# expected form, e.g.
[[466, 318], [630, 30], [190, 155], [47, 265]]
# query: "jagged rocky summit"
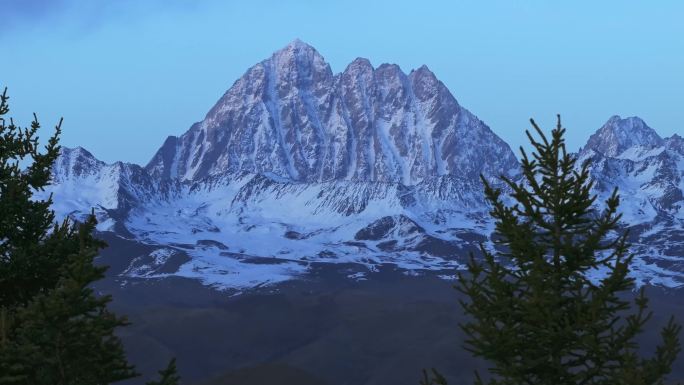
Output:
[[296, 167]]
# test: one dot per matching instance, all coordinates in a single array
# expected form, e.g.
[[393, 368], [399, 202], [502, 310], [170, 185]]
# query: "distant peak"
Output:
[[424, 69], [296, 47], [297, 43], [361, 62], [675, 142], [425, 83], [78, 150], [619, 134], [633, 124], [301, 53], [423, 72], [359, 66], [389, 67], [628, 120], [75, 160]]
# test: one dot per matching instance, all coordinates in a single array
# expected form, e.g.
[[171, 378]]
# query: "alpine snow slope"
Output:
[[296, 166]]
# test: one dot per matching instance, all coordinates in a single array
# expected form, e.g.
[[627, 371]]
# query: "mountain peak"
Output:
[[425, 82], [358, 67], [423, 70], [361, 62], [618, 134], [297, 43], [76, 161], [297, 50], [75, 152], [297, 62], [675, 142], [290, 116]]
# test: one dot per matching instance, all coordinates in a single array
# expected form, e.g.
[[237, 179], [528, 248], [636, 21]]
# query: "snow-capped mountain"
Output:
[[628, 154], [289, 116], [619, 135], [649, 173], [80, 181], [296, 166]]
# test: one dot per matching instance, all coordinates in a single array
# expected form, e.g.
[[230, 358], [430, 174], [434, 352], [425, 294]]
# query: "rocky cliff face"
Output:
[[648, 171], [630, 155], [295, 167], [619, 135], [289, 116]]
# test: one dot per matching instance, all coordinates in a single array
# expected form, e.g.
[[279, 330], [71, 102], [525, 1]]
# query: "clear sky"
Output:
[[124, 74]]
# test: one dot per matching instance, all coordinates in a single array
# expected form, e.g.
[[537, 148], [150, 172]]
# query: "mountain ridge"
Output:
[[290, 116], [295, 166]]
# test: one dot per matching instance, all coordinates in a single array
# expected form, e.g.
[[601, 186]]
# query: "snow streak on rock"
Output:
[[296, 166], [291, 117]]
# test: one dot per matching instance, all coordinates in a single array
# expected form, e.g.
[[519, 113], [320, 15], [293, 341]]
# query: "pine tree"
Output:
[[535, 314], [27, 264], [66, 335], [54, 329], [168, 376]]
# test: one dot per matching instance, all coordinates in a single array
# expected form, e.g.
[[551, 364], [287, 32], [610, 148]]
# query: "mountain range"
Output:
[[369, 168]]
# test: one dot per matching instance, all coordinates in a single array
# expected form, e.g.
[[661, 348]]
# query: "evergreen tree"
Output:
[[435, 379], [66, 335], [168, 376], [28, 265], [535, 314], [54, 329]]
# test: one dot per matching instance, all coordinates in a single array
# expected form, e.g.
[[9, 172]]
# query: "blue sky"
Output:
[[124, 74]]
